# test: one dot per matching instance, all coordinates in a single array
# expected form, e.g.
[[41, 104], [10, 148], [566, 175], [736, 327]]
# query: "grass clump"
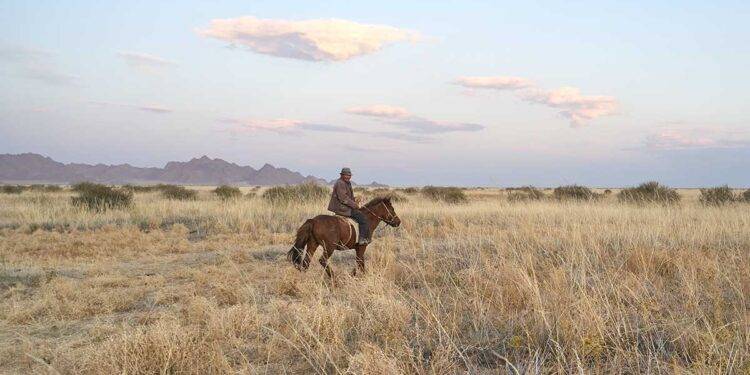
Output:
[[445, 194], [101, 197], [227, 192], [524, 194], [177, 192], [576, 192], [649, 192], [717, 196], [296, 193], [12, 189]]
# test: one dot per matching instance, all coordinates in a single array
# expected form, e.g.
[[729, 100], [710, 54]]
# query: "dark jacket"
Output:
[[342, 198]]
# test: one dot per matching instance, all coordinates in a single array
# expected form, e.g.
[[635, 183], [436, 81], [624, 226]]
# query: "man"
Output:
[[343, 203]]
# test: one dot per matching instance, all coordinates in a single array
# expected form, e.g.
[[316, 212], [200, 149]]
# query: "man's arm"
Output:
[[342, 194]]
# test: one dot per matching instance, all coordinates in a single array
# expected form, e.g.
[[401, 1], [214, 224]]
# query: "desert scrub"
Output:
[[296, 193], [717, 196], [139, 188], [46, 188], [649, 192], [177, 192], [444, 194], [100, 197], [575, 192], [12, 189], [526, 193], [227, 192], [746, 196]]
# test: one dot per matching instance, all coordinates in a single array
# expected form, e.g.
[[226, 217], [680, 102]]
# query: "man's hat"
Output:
[[346, 171]]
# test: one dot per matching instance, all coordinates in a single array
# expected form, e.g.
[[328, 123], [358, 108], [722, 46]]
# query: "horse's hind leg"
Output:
[[328, 251], [311, 246]]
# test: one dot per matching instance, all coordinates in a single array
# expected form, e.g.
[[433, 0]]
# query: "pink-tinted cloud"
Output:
[[379, 110], [497, 83], [144, 61], [571, 104], [144, 108], [316, 40], [695, 138], [401, 118]]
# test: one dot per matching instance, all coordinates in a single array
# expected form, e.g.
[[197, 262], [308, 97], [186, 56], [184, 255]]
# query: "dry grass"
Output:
[[489, 286]]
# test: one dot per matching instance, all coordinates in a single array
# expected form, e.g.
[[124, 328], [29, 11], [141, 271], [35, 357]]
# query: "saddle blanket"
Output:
[[353, 226]]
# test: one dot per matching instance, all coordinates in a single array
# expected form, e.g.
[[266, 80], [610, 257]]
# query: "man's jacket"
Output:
[[342, 198]]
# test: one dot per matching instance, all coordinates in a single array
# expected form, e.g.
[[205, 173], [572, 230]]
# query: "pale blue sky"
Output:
[[659, 91]]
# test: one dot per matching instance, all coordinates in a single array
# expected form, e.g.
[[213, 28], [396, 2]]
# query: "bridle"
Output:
[[391, 215]]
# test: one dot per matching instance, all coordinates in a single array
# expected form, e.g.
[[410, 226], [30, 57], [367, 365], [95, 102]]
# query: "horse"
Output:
[[335, 233]]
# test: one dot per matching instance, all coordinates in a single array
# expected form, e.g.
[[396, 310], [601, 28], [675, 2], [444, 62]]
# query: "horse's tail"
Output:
[[296, 254]]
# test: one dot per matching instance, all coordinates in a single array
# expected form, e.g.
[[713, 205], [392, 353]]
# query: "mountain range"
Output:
[[30, 167]]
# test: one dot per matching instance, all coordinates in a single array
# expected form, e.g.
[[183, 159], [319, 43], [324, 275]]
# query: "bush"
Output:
[[526, 193], [177, 192], [649, 192], [139, 188], [12, 189], [410, 190], [574, 192], [394, 196], [296, 193], [81, 187], [607, 192], [445, 194], [746, 195], [226, 192], [100, 197], [717, 196]]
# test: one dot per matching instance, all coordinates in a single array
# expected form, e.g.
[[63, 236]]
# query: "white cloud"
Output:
[[316, 40], [497, 83], [37, 65], [573, 105], [143, 61], [379, 110]]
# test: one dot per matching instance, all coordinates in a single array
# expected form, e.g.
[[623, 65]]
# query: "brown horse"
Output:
[[335, 233]]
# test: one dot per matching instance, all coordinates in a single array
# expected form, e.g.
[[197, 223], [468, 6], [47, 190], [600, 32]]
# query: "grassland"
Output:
[[488, 286]]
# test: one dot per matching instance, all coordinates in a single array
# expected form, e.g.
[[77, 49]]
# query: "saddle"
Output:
[[353, 226]]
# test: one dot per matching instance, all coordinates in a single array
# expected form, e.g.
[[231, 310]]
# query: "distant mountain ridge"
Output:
[[30, 167]]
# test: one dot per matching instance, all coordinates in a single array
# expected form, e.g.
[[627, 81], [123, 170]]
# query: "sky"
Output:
[[471, 93]]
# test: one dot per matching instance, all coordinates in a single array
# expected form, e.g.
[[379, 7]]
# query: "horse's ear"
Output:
[[387, 200]]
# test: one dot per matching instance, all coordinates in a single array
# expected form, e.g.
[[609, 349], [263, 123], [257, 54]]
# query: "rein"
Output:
[[392, 216]]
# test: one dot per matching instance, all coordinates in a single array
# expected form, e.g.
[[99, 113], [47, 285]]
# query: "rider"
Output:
[[343, 203]]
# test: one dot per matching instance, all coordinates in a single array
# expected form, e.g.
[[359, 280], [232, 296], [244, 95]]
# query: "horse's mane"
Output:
[[375, 201]]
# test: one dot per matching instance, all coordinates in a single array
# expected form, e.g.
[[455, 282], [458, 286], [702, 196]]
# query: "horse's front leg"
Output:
[[360, 249]]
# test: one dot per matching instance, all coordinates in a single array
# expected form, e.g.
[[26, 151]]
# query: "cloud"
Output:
[[401, 118], [315, 40], [577, 108], [385, 111], [37, 65], [572, 105], [497, 83], [144, 108], [696, 138], [145, 62]]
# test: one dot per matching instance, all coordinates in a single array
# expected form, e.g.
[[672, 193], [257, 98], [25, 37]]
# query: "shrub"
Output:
[[139, 188], [45, 188], [394, 196], [81, 187], [226, 192], [12, 189], [100, 197], [746, 195], [410, 190], [574, 192], [177, 192], [296, 193], [649, 192], [445, 194], [717, 196], [607, 192], [526, 193]]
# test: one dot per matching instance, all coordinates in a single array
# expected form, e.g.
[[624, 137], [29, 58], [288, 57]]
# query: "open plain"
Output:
[[487, 286]]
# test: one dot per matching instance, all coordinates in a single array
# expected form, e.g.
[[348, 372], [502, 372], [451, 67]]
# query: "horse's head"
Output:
[[383, 210]]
